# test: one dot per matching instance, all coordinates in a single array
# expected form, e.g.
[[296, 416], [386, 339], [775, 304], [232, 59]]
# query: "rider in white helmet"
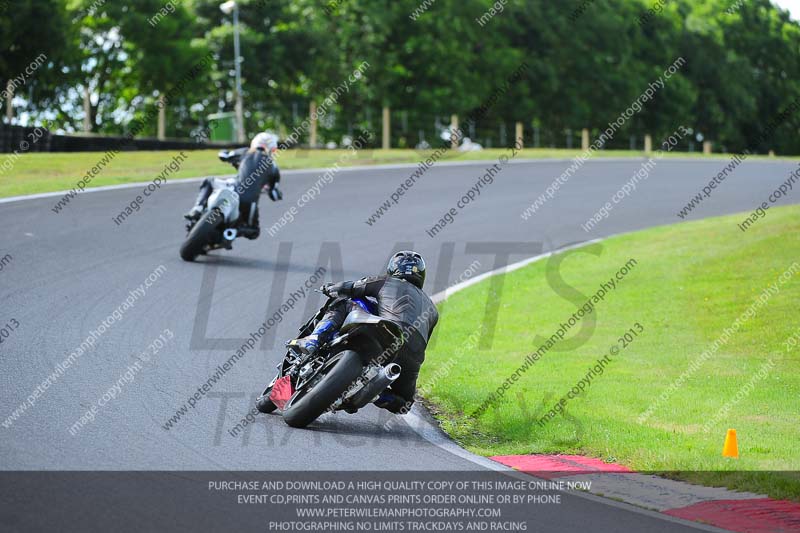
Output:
[[265, 140], [268, 142], [257, 170]]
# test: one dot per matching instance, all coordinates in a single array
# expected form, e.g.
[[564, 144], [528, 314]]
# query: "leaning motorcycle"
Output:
[[218, 226], [345, 374]]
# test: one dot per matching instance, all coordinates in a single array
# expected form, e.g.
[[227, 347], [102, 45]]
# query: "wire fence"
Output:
[[337, 128], [409, 129]]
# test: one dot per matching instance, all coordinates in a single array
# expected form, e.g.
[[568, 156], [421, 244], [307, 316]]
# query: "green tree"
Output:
[[32, 37], [159, 39]]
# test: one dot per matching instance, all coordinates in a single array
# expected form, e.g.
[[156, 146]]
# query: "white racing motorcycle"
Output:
[[219, 224]]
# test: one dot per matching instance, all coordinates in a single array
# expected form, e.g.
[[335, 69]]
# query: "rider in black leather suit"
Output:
[[255, 170], [401, 300]]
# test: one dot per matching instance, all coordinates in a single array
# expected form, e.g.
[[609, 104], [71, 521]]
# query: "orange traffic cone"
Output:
[[730, 448]]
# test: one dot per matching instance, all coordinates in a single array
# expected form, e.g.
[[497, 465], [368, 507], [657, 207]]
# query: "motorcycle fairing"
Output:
[[227, 201]]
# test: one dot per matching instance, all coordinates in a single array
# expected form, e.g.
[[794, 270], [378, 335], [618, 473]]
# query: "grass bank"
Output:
[[690, 282], [46, 172]]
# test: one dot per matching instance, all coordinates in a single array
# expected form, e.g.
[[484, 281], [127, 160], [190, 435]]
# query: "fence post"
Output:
[[648, 143], [162, 117], [453, 129], [312, 115], [386, 128], [706, 147], [9, 99], [585, 139], [518, 136], [87, 110]]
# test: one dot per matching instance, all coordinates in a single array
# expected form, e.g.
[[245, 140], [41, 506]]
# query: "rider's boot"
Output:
[[310, 344], [196, 212]]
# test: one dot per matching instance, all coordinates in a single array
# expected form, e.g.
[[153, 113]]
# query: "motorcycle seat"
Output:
[[358, 317]]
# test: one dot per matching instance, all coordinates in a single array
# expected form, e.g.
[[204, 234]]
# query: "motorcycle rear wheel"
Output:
[[203, 233], [305, 407]]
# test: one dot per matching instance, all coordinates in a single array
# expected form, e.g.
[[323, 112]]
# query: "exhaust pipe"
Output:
[[392, 372], [386, 376], [229, 234]]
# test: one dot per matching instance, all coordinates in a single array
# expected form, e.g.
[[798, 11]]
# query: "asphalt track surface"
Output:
[[69, 271]]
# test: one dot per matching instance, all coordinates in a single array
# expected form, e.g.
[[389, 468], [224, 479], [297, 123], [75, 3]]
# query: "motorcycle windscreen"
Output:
[[282, 391]]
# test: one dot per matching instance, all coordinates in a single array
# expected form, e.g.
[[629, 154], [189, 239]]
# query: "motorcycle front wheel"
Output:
[[307, 405], [264, 404]]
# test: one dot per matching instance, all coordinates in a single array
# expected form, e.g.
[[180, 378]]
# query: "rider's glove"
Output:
[[328, 290], [275, 193]]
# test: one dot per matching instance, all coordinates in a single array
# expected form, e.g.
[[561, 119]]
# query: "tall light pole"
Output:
[[232, 7]]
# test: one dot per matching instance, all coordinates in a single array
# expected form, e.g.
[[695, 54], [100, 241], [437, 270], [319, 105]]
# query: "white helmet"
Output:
[[265, 140]]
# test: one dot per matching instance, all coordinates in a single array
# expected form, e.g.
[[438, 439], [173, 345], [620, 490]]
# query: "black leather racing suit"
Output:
[[256, 169], [406, 305]]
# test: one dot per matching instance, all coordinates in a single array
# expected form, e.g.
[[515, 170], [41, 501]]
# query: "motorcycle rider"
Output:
[[401, 300], [256, 170]]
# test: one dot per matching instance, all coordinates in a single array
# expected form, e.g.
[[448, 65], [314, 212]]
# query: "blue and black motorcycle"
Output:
[[345, 374]]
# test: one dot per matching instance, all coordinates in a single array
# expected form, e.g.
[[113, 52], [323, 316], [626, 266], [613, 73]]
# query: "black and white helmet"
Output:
[[407, 265]]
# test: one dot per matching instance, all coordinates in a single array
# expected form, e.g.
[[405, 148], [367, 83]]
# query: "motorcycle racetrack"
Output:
[[122, 357]]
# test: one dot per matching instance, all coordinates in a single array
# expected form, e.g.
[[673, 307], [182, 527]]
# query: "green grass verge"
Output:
[[692, 280], [46, 172]]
